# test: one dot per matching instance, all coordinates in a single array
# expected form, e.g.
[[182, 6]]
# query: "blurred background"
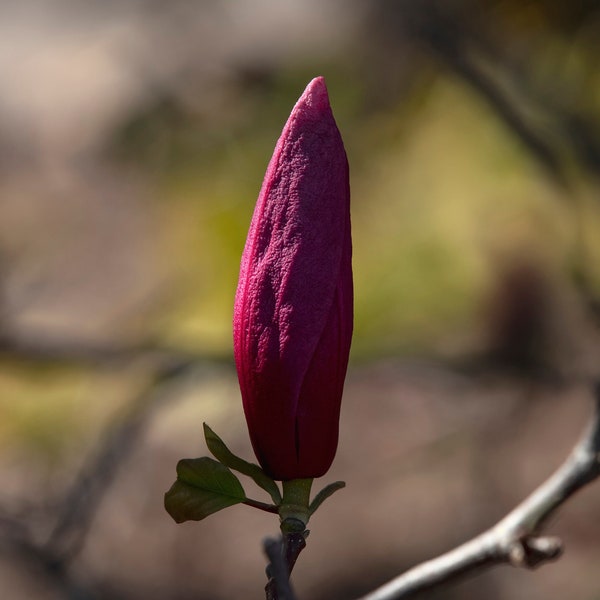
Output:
[[134, 135]]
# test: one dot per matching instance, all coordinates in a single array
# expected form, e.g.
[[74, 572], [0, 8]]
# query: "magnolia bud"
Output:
[[294, 300]]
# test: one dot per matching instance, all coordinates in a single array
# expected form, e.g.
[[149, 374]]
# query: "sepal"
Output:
[[327, 491]]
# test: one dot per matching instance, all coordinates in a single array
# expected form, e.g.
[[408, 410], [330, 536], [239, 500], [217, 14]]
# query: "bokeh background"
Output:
[[134, 135]]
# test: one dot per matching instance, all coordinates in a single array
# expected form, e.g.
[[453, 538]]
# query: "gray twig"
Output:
[[74, 514], [279, 586], [81, 501], [517, 539]]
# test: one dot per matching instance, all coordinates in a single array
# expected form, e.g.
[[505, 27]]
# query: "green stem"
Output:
[[294, 513], [270, 508], [295, 504]]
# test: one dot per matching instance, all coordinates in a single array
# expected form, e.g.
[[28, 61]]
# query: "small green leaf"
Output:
[[327, 491], [203, 487], [224, 455]]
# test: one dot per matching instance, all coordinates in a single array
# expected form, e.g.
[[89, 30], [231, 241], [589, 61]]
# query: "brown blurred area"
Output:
[[133, 140]]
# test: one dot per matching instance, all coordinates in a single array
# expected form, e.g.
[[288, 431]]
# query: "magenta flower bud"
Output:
[[294, 302]]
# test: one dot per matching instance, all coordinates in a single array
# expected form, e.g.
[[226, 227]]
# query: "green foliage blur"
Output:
[[442, 193], [446, 193]]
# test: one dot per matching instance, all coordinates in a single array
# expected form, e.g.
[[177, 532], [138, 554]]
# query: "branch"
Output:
[[81, 501], [279, 586], [516, 539], [38, 348], [167, 370]]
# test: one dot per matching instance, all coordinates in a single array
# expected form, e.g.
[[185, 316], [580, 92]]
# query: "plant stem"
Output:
[[270, 508], [294, 514], [295, 503]]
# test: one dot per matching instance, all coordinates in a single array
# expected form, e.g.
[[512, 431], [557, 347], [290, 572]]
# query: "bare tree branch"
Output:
[[167, 370], [81, 501], [516, 539], [40, 348], [279, 586], [461, 49]]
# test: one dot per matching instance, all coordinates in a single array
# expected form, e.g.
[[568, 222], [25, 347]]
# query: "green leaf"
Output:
[[327, 491], [224, 455], [203, 487]]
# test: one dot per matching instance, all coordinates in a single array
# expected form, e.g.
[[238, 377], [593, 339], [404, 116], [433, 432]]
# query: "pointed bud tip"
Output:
[[314, 98]]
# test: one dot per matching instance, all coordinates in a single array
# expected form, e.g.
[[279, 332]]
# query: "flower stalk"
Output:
[[295, 504]]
